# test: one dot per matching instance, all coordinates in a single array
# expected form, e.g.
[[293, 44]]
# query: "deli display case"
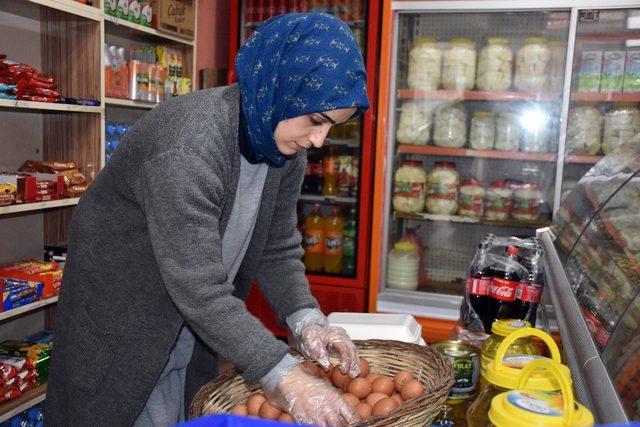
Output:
[[487, 117]]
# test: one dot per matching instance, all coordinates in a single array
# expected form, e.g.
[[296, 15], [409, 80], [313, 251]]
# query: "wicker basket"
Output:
[[386, 357]]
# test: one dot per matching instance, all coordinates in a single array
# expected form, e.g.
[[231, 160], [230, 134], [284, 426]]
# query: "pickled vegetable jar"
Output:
[[415, 123], [620, 125], [442, 193], [494, 65], [498, 201], [409, 187], [471, 198], [459, 65], [535, 131], [403, 268], [584, 130], [532, 65], [450, 128], [526, 202], [507, 132], [425, 59], [483, 131]]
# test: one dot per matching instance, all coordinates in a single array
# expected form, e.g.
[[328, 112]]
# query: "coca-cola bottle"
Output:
[[530, 287], [478, 282], [312, 183], [502, 303]]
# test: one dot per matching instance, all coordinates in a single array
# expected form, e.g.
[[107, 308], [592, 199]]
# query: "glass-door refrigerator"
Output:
[[336, 193]]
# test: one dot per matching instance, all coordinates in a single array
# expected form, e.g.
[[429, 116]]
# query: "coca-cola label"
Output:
[[529, 293], [477, 286], [503, 289]]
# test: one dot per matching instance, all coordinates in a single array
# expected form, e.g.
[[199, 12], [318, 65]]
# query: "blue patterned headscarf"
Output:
[[292, 65]]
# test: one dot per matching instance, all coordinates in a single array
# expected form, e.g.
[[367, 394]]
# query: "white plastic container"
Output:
[[459, 65], [425, 62], [403, 268], [368, 326]]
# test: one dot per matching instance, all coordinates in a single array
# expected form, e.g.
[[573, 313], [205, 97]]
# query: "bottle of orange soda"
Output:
[[333, 248], [314, 237], [331, 164]]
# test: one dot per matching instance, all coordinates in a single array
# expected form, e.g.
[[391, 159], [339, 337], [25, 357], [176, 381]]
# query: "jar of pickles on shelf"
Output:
[[425, 60], [442, 189], [532, 65], [471, 198], [498, 201], [584, 130], [507, 132], [415, 123], [459, 65], [494, 65], [483, 130], [450, 128], [526, 202], [620, 125], [409, 187], [535, 129]]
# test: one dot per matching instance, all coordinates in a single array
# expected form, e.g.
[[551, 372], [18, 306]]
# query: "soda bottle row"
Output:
[[114, 133], [332, 171], [259, 10], [330, 241], [505, 281]]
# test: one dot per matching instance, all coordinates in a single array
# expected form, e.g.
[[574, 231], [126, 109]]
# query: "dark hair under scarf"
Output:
[[292, 65]]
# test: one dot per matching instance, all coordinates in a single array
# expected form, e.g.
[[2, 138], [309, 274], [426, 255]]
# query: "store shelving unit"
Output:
[[129, 103], [584, 159], [423, 216], [473, 95], [605, 97], [22, 403], [28, 308], [112, 24], [39, 206], [432, 150], [329, 199], [30, 105]]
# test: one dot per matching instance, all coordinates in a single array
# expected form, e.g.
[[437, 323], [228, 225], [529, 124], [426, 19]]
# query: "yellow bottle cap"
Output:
[[404, 246], [527, 407], [504, 371], [461, 40], [426, 40], [557, 43], [482, 114], [530, 40], [505, 327], [497, 40]]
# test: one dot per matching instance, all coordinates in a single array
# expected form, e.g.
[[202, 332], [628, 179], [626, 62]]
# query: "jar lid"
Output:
[[482, 114], [505, 327], [531, 40], [412, 163], [499, 184], [557, 43], [404, 246], [461, 40], [497, 40], [446, 165], [426, 40], [526, 186], [472, 181]]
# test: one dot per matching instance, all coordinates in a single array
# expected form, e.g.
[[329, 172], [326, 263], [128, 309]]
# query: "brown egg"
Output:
[[364, 368], [397, 398], [411, 390], [240, 410], [285, 418], [364, 410], [312, 368], [374, 397], [372, 376], [359, 387], [269, 412], [338, 377], [401, 379], [254, 402], [384, 406], [383, 385], [351, 399]]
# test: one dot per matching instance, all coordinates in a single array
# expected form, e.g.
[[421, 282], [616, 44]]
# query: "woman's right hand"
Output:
[[311, 400]]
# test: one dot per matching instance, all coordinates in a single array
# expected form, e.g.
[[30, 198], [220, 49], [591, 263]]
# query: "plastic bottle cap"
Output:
[[461, 40], [404, 246], [446, 165], [426, 40], [506, 327], [482, 114], [557, 43], [512, 250], [497, 40], [472, 181], [531, 40], [412, 163]]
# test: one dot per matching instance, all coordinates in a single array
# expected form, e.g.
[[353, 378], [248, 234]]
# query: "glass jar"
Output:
[[507, 132], [526, 202], [497, 202], [556, 68], [483, 131], [442, 189], [620, 125], [459, 65], [450, 128], [501, 329], [494, 65], [584, 129], [532, 65], [409, 187], [425, 59], [535, 127], [403, 268], [471, 198], [414, 125]]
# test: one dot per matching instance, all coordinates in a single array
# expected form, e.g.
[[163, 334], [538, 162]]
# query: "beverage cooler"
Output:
[[334, 209], [488, 114]]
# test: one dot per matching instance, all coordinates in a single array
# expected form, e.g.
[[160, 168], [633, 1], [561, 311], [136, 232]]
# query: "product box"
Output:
[[632, 72], [47, 273], [30, 187], [590, 68], [177, 17], [16, 292], [612, 71]]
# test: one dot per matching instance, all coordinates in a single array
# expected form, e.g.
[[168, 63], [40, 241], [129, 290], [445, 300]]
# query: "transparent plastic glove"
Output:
[[309, 400], [312, 335]]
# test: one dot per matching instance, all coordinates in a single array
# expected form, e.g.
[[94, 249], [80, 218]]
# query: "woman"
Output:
[[195, 204]]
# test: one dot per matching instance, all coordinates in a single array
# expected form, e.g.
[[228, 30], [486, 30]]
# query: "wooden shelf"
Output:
[[606, 97], [118, 102], [26, 207], [608, 37], [319, 198], [360, 23], [583, 159], [29, 105], [27, 400], [145, 31], [67, 6], [472, 95], [432, 150], [468, 220], [27, 308]]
